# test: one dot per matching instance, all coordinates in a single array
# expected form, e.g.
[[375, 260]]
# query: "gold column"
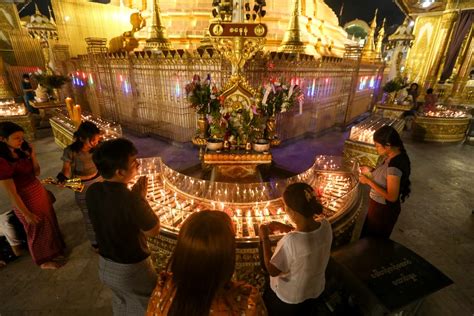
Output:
[[292, 40], [444, 36], [5, 89], [464, 66]]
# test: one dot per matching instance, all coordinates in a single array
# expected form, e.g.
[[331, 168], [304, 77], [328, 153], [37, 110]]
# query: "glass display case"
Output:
[[360, 144], [63, 127], [174, 196]]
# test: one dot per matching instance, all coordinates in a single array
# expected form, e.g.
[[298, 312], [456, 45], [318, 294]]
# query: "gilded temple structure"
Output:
[[186, 22], [446, 27], [131, 61], [399, 44]]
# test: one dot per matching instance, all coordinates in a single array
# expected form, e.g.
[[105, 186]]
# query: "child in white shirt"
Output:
[[297, 267]]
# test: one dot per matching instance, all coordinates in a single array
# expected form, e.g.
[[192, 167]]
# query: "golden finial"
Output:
[[374, 21], [292, 40], [368, 52], [37, 11], [380, 36], [51, 15], [157, 39]]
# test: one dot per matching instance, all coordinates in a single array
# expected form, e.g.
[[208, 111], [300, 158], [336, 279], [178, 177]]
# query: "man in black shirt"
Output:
[[122, 219]]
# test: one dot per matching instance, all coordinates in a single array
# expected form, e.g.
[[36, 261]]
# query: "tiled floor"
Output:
[[436, 222]]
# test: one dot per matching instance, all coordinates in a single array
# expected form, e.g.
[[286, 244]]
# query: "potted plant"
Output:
[[203, 97], [278, 97], [391, 88], [51, 82]]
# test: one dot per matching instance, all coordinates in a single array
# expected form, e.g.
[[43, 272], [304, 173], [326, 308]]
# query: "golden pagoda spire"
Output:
[[380, 36], [368, 52], [157, 39], [37, 11], [292, 40], [51, 15]]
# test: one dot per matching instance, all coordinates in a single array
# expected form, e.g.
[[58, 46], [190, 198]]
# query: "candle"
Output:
[[267, 93], [69, 107], [77, 114]]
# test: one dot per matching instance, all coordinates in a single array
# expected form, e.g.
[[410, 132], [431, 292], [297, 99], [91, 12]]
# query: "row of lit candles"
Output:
[[446, 114], [362, 135], [174, 208], [364, 131], [12, 110], [7, 102], [110, 130]]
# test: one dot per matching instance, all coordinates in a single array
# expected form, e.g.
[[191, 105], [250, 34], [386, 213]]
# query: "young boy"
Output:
[[297, 268], [122, 219]]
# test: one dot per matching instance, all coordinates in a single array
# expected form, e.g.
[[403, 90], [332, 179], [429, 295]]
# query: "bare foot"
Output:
[[2, 264], [51, 265]]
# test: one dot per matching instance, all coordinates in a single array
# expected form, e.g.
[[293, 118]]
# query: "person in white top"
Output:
[[297, 267]]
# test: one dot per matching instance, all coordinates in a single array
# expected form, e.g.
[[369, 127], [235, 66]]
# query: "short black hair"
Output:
[[86, 130], [26, 76], [113, 155], [429, 91]]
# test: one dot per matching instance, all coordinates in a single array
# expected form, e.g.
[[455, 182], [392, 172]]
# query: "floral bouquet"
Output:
[[50, 82], [203, 96], [279, 97]]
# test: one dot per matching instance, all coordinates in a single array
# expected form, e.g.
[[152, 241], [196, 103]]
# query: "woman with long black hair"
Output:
[[32, 204], [200, 272], [77, 163], [389, 183]]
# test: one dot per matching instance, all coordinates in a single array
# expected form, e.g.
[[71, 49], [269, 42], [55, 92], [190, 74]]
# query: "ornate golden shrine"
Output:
[[187, 23], [433, 28], [442, 126], [391, 110]]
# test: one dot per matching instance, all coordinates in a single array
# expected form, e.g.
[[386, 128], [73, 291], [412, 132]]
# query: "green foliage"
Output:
[[51, 81], [393, 85], [357, 31], [202, 96], [281, 97]]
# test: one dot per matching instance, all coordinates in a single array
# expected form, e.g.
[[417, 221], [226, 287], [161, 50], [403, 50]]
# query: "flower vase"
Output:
[[271, 128], [203, 126]]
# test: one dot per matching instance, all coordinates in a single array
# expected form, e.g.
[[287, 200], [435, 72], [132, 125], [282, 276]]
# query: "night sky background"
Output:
[[362, 9]]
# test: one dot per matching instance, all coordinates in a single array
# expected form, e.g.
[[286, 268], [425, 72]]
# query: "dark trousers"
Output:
[[28, 104], [277, 307]]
